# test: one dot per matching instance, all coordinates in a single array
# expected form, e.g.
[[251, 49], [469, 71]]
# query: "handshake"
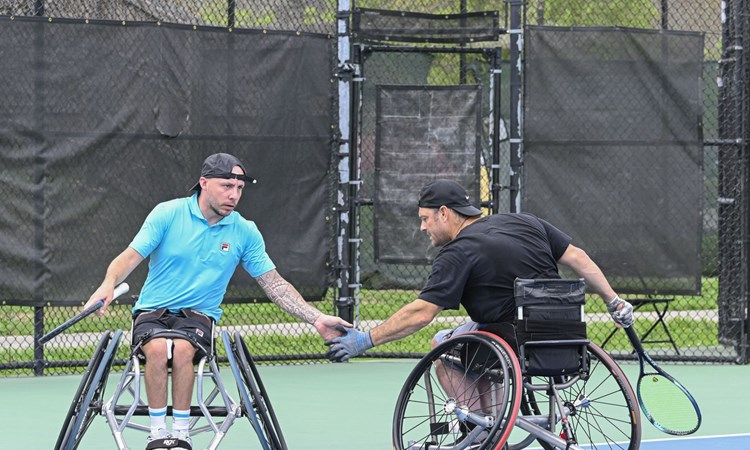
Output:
[[352, 343]]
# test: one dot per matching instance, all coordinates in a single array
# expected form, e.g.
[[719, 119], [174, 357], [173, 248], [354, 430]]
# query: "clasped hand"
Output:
[[621, 315], [352, 343]]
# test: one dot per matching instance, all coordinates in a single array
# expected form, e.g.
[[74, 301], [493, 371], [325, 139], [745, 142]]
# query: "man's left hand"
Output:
[[352, 343]]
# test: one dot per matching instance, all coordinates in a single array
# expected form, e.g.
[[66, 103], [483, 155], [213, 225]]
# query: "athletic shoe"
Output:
[[185, 437], [159, 433]]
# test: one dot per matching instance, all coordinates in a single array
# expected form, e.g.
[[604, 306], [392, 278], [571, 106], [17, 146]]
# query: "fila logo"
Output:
[[225, 246], [199, 332]]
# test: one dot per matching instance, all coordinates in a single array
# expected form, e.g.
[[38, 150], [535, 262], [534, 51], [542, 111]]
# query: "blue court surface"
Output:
[[734, 442]]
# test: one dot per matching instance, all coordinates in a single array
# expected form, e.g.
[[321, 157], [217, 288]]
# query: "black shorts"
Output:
[[186, 324]]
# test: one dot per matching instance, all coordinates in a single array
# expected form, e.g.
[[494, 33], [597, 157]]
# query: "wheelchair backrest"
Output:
[[550, 299], [550, 326]]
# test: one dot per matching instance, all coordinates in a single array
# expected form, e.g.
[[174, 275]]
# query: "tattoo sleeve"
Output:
[[286, 296]]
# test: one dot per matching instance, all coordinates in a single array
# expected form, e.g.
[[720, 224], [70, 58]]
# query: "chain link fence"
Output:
[[112, 107], [626, 184], [702, 318], [315, 16]]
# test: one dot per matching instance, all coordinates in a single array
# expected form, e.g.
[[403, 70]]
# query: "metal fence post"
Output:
[[347, 170], [516, 88], [741, 11], [495, 184], [231, 7]]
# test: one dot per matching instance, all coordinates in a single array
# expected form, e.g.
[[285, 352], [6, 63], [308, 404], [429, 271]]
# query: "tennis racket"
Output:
[[665, 402], [119, 290]]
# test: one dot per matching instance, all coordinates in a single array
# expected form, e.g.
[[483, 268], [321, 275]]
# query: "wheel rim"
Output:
[[605, 413], [266, 414], [477, 416]]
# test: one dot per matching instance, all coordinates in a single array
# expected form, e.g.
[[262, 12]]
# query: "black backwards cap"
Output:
[[220, 165], [449, 193]]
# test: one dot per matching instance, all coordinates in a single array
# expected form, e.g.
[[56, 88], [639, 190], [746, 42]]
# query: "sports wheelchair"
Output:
[[214, 404], [552, 386]]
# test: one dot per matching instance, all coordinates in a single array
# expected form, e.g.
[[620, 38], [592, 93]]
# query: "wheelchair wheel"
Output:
[[253, 396], [604, 407], [465, 393], [260, 398], [88, 398]]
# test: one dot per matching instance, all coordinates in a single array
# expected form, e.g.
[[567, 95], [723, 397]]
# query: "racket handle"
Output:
[[122, 289], [119, 290], [633, 336]]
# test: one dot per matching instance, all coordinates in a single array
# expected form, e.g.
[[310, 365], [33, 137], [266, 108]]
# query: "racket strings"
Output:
[[669, 406]]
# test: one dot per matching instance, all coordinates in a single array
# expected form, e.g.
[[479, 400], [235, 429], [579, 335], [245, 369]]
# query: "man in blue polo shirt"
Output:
[[195, 244]]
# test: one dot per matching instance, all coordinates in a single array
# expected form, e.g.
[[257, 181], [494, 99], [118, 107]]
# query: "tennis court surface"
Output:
[[350, 406]]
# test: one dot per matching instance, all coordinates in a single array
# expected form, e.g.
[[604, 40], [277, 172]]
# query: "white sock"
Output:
[[181, 421], [158, 418]]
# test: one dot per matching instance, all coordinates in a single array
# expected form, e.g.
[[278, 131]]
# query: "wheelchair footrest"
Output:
[[169, 443]]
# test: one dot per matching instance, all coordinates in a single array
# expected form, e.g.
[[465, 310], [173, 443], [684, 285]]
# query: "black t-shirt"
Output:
[[478, 268]]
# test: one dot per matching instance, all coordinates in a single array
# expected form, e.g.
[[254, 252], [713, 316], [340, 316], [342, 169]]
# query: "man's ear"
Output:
[[444, 213]]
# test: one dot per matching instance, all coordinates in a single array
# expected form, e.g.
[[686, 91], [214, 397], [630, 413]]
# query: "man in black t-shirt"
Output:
[[479, 260]]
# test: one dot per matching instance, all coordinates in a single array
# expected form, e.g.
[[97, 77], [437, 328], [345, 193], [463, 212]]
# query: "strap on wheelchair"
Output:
[[167, 443], [169, 334]]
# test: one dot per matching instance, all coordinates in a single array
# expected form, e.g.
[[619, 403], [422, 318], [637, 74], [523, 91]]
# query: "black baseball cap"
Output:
[[449, 193], [220, 165]]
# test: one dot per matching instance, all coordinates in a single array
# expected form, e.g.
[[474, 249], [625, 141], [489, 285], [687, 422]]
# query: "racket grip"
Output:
[[122, 289], [633, 336]]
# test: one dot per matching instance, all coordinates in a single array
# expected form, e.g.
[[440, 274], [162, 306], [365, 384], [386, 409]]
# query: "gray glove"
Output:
[[352, 343], [621, 315]]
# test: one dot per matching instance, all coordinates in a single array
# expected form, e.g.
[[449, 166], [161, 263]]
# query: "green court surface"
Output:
[[332, 406]]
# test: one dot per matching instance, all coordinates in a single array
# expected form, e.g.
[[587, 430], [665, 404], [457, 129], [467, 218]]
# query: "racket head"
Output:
[[667, 404]]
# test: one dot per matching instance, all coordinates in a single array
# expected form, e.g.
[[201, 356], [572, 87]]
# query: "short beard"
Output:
[[218, 213]]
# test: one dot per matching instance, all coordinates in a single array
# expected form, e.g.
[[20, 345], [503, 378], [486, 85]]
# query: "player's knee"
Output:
[[156, 351], [184, 352]]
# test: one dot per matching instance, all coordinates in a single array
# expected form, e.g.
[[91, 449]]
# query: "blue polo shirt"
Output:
[[191, 262]]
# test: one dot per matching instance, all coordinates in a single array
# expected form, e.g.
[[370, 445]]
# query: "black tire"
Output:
[[87, 402], [260, 400], [606, 409], [427, 415], [83, 386], [263, 426]]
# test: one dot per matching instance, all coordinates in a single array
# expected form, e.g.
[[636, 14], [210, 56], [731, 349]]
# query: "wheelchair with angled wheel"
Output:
[[552, 387], [214, 409]]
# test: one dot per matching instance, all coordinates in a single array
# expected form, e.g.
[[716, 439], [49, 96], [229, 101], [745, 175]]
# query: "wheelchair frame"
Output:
[[216, 406], [473, 392]]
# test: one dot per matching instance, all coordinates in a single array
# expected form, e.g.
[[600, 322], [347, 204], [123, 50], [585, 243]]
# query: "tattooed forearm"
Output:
[[286, 296]]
